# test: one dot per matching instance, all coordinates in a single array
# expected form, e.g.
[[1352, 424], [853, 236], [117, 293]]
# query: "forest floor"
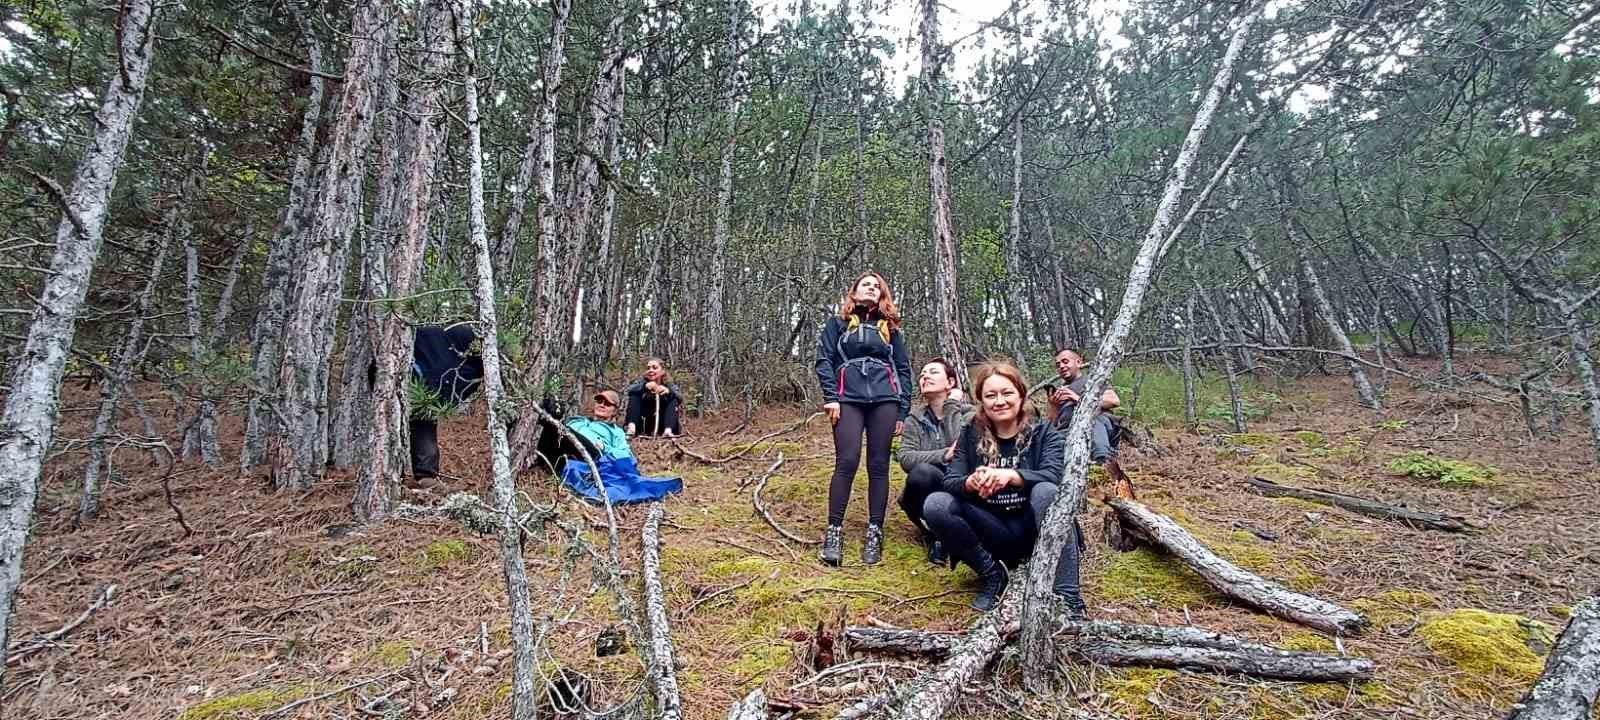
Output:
[[275, 598]]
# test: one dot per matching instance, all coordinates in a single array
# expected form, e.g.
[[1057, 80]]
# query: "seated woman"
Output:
[[614, 462], [929, 442], [653, 402], [1002, 478]]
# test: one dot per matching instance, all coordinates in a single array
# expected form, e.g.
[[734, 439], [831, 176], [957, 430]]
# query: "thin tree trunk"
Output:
[[299, 448], [201, 437], [278, 277], [947, 291], [608, 278], [1325, 310], [1039, 653], [715, 320], [28, 426], [524, 667], [1578, 338], [1191, 414], [377, 484], [663, 673], [540, 349], [113, 384], [1010, 293]]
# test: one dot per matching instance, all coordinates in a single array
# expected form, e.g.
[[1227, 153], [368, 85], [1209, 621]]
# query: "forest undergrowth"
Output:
[[276, 599]]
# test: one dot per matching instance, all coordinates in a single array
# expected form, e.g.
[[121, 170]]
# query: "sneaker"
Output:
[[833, 545], [872, 550]]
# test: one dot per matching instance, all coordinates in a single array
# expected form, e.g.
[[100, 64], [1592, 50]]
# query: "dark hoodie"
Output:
[[857, 366], [443, 359], [1037, 460]]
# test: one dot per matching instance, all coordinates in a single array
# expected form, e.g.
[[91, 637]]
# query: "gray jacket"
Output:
[[921, 443]]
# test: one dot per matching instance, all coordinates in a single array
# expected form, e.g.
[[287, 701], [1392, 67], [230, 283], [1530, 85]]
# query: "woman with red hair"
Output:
[[1004, 476], [865, 375]]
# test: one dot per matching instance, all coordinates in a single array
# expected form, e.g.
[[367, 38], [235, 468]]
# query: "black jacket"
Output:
[[1041, 461], [444, 360], [857, 366]]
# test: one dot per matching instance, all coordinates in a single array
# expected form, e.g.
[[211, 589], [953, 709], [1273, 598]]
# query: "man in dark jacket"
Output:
[[928, 444], [443, 359]]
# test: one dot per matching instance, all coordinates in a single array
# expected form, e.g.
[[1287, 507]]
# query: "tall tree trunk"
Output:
[[1011, 293], [299, 448], [1578, 339], [377, 483], [129, 353], [715, 321], [524, 699], [28, 425], [947, 291], [608, 275], [543, 344], [1271, 312], [278, 277], [1039, 653], [586, 181], [200, 438]]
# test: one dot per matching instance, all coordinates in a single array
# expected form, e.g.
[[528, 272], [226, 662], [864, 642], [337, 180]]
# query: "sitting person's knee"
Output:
[[924, 475], [939, 504], [1042, 494]]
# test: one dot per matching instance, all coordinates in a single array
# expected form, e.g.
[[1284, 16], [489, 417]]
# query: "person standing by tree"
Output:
[[865, 375], [448, 362], [653, 402], [1005, 472], [1064, 402], [929, 444]]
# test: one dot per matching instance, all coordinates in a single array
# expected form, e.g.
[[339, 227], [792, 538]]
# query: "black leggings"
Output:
[[877, 420], [642, 414], [923, 480], [424, 448]]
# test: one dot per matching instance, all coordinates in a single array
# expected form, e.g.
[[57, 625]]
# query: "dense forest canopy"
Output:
[[253, 204]]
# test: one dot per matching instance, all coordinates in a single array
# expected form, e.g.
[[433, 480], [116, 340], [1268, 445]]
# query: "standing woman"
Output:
[[866, 388], [653, 402]]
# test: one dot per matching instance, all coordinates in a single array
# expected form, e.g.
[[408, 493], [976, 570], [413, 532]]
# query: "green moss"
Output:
[[1277, 471], [1311, 438], [1132, 689], [1561, 611], [1396, 607], [1394, 425], [749, 565], [1487, 643], [1446, 472], [1143, 575], [760, 661], [1251, 439], [790, 449], [1308, 642], [245, 704], [394, 653], [446, 552]]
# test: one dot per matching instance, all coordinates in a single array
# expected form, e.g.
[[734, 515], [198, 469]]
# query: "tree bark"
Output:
[[28, 425], [947, 290], [543, 340], [299, 447], [1325, 311], [378, 482], [751, 707], [1011, 295], [1567, 688], [1578, 339], [1039, 654], [932, 694], [663, 671], [716, 328], [278, 277], [1235, 582], [200, 439], [1415, 518], [514, 567], [129, 352]]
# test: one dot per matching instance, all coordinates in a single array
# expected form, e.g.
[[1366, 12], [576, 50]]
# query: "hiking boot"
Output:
[[872, 550], [992, 581], [1073, 602], [936, 553], [833, 545]]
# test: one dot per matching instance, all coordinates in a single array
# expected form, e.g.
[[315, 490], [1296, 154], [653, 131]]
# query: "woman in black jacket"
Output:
[[653, 402], [1005, 473], [865, 375]]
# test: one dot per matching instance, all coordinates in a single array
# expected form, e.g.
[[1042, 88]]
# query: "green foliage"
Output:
[[1446, 472], [443, 553], [426, 403]]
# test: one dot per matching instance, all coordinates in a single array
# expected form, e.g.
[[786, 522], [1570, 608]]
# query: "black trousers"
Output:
[[922, 481], [877, 422], [424, 448], [645, 420]]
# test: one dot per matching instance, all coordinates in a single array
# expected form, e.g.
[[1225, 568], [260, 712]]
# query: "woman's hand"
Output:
[[631, 431], [978, 481], [950, 453], [652, 386], [832, 409], [899, 427]]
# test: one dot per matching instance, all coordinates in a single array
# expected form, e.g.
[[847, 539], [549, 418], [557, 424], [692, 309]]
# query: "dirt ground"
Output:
[[276, 598]]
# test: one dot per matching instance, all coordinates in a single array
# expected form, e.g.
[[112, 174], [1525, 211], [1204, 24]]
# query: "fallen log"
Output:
[[1129, 645], [752, 707], [1234, 581], [663, 670], [933, 692], [1422, 519], [1567, 688], [22, 650]]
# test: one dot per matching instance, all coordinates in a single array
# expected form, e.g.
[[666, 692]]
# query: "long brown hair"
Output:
[[886, 307], [988, 442], [666, 375]]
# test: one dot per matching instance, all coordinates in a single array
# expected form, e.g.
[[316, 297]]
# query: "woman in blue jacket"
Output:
[[865, 375]]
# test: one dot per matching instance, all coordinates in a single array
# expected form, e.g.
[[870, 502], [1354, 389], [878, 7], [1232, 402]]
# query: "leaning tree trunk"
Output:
[[1325, 311], [1039, 652], [524, 667], [111, 388], [299, 447], [947, 291], [715, 322], [1567, 688], [377, 484], [279, 276], [538, 353], [28, 425]]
